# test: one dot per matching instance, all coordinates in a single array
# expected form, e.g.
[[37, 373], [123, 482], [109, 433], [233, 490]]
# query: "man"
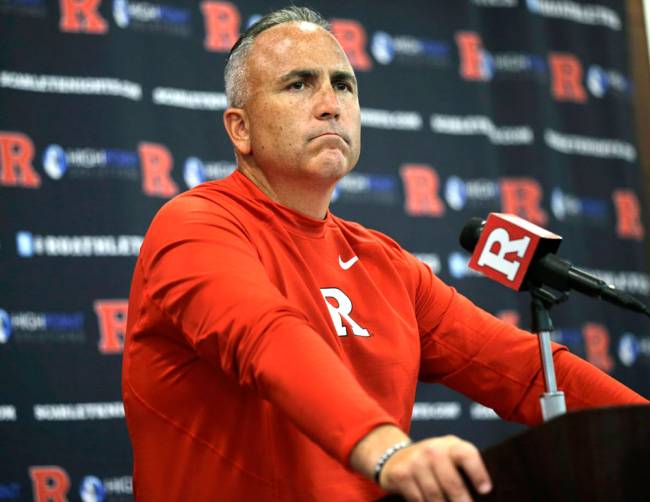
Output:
[[273, 349]]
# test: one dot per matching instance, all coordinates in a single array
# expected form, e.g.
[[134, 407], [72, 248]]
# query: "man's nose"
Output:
[[327, 104]]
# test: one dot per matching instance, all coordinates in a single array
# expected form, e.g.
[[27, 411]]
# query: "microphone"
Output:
[[521, 255]]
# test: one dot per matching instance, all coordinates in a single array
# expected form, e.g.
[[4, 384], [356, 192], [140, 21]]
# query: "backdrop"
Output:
[[110, 108]]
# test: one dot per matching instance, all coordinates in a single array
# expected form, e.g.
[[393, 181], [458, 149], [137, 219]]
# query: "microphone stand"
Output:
[[552, 401]]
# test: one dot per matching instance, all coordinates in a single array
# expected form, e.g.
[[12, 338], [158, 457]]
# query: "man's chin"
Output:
[[332, 162], [330, 171]]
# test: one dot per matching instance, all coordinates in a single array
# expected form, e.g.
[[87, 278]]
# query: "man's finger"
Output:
[[411, 492], [448, 477], [400, 480], [467, 456], [427, 481]]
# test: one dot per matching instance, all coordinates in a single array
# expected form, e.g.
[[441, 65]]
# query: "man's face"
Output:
[[302, 105]]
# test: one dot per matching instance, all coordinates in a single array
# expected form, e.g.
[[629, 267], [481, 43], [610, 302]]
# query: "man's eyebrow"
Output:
[[344, 75], [312, 74], [301, 73]]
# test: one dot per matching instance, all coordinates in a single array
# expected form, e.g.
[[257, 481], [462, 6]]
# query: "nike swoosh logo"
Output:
[[347, 264]]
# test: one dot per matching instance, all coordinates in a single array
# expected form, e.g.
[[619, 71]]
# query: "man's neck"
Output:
[[306, 198]]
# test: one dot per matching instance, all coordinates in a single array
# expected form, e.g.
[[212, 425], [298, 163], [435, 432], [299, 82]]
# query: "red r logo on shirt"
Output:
[[341, 309]]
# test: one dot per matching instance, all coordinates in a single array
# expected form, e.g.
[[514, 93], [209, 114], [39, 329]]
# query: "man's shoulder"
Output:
[[209, 206], [216, 196]]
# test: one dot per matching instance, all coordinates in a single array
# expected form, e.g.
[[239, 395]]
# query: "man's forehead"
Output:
[[286, 42], [292, 30]]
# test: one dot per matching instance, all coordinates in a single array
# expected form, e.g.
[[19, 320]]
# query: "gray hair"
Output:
[[235, 71]]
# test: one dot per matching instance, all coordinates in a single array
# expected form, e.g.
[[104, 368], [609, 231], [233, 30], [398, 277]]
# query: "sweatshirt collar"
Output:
[[289, 217]]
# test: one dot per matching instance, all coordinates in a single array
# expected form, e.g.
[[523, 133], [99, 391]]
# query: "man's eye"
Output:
[[297, 85], [343, 86]]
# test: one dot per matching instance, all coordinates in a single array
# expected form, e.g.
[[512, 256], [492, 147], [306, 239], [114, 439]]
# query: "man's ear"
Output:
[[235, 120]]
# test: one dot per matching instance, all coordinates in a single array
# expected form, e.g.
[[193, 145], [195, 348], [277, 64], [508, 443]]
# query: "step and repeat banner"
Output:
[[110, 108]]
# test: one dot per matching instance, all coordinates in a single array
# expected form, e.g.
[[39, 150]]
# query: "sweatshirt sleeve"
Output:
[[202, 271], [497, 364]]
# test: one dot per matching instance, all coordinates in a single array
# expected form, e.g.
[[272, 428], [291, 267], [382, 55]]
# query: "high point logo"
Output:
[[90, 163], [632, 347], [360, 188], [196, 171], [152, 17], [94, 489], [42, 327], [10, 491], [5, 326], [408, 49], [566, 206], [480, 193], [601, 82], [458, 266]]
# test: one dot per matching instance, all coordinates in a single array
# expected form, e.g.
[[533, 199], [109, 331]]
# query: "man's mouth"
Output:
[[325, 134]]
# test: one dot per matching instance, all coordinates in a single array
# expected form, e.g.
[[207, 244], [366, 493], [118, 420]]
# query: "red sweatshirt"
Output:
[[262, 345]]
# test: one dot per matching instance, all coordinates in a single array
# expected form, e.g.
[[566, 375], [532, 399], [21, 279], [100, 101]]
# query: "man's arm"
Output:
[[201, 270], [499, 365], [490, 361], [496, 364]]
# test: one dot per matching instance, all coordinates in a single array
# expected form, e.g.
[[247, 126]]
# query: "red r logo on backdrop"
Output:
[[16, 156], [566, 78], [470, 51], [352, 37], [421, 188], [50, 483], [157, 164], [523, 197], [111, 315], [628, 215], [222, 21], [596, 340], [82, 16]]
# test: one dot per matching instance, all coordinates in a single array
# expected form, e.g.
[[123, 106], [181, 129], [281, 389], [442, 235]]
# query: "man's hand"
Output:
[[426, 470]]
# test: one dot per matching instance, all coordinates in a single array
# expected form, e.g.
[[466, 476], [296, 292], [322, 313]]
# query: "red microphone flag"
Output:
[[506, 248]]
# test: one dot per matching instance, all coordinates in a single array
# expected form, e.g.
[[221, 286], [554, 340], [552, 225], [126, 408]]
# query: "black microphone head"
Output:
[[471, 232]]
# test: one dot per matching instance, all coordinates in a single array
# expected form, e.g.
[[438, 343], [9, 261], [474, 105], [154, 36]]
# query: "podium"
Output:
[[588, 455]]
